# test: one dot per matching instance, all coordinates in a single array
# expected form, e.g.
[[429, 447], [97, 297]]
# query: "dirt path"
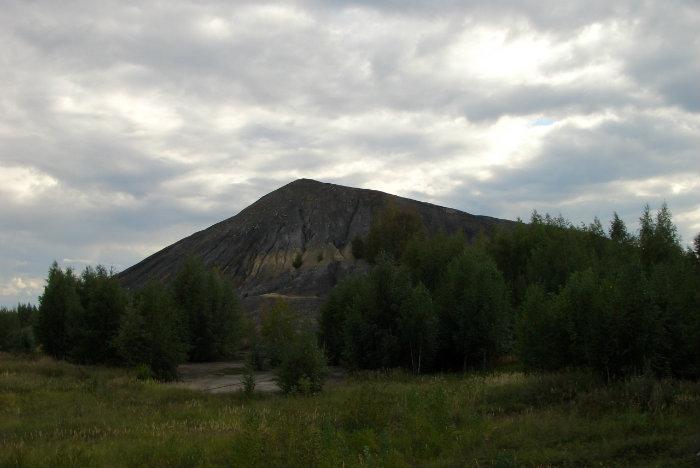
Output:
[[222, 377], [225, 377]]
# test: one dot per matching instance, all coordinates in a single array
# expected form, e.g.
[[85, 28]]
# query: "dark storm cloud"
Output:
[[125, 126]]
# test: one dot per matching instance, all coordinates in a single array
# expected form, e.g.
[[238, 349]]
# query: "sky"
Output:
[[127, 125]]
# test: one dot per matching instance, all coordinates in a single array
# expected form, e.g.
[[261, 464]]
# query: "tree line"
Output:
[[550, 293], [16, 334], [91, 319]]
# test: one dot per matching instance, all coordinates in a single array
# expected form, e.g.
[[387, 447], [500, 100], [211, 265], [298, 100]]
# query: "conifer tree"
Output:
[[658, 238], [334, 312], [152, 333], [57, 306], [618, 230], [92, 330], [210, 308], [225, 317], [193, 301]]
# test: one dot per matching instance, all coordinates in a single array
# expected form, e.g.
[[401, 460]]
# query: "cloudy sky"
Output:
[[125, 126]]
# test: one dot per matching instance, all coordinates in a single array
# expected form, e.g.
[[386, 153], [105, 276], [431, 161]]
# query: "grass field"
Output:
[[57, 414]]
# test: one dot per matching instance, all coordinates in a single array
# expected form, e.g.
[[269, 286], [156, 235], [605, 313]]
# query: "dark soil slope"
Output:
[[316, 220]]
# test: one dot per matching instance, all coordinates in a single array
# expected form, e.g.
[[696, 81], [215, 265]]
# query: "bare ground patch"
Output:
[[226, 377]]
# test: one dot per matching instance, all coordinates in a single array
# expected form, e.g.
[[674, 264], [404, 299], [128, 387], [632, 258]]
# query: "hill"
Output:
[[256, 248]]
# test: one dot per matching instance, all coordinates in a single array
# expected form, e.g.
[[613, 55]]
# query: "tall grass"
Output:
[[57, 414]]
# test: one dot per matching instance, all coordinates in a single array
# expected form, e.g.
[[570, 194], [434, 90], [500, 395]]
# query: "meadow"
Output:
[[53, 413]]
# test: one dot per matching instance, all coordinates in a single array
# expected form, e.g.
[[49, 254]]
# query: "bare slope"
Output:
[[256, 247]]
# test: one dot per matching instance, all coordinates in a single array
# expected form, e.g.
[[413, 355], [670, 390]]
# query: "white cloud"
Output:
[[24, 184], [22, 288], [124, 128]]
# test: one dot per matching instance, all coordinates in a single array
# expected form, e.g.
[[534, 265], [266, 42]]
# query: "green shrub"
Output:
[[279, 325], [303, 366], [297, 262], [249, 375], [143, 372]]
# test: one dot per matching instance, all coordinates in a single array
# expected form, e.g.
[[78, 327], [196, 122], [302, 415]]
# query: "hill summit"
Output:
[[305, 219]]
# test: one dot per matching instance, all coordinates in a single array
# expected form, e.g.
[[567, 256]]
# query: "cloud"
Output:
[[23, 289], [126, 127]]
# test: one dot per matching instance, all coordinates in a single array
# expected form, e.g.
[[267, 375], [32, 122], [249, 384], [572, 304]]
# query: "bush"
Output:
[[303, 366], [297, 262], [143, 372], [278, 327], [249, 375]]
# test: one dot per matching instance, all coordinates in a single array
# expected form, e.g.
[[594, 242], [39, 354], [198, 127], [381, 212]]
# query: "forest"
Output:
[[547, 293]]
